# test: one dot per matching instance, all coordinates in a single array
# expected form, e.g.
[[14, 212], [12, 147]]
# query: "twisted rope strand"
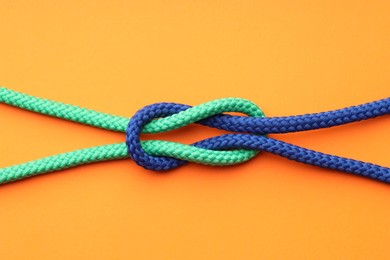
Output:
[[63, 111], [63, 161]]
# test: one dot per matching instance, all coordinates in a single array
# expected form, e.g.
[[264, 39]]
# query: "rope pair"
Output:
[[226, 149]]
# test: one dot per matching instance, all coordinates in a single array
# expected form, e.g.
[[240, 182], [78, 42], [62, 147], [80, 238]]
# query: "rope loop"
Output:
[[162, 117]]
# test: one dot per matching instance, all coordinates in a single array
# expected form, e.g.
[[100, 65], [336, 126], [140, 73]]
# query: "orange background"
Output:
[[290, 57]]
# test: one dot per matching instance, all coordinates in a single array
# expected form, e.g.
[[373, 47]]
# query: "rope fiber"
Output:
[[227, 149]]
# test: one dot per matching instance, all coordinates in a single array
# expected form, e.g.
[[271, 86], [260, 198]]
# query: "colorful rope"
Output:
[[222, 150]]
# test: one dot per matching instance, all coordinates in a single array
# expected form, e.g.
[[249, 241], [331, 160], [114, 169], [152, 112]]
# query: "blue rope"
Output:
[[257, 126]]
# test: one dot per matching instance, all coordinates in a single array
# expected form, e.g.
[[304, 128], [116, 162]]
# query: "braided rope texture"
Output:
[[222, 150]]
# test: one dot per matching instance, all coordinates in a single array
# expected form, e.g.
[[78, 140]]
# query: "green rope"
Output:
[[119, 123], [63, 161], [119, 151], [63, 111]]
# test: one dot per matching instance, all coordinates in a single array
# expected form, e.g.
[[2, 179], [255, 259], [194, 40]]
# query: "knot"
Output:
[[221, 150], [162, 117]]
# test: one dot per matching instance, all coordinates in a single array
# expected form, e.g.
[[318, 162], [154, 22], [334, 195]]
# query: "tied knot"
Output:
[[162, 117], [249, 137]]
